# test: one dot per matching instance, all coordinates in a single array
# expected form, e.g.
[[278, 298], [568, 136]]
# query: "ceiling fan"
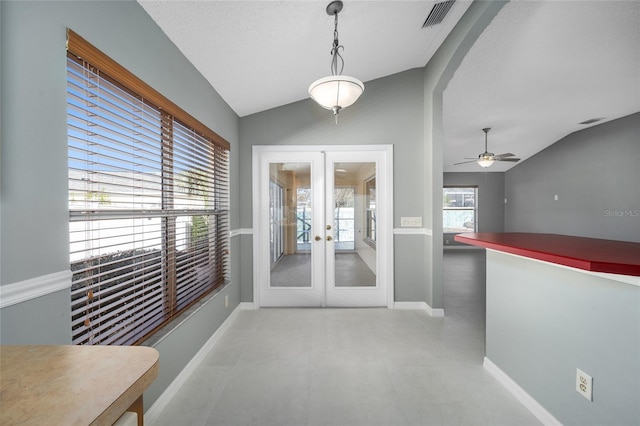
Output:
[[486, 159]]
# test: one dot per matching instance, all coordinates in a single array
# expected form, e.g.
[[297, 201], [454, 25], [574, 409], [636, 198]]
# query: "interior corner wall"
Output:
[[34, 215], [437, 74], [594, 173], [389, 112], [490, 201]]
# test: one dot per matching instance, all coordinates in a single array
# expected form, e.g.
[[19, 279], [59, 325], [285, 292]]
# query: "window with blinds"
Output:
[[148, 203]]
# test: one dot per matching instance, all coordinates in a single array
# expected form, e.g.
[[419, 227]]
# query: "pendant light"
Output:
[[337, 91]]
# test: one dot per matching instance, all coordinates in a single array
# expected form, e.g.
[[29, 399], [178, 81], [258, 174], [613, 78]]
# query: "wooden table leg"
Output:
[[138, 408]]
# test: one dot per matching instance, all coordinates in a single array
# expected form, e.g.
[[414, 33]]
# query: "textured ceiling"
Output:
[[539, 69], [263, 54]]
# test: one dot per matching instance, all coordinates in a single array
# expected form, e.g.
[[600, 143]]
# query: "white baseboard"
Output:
[[410, 305], [152, 415], [520, 394], [423, 306], [248, 306], [435, 312]]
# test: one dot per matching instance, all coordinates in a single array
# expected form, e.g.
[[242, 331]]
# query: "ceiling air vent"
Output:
[[592, 120], [438, 13]]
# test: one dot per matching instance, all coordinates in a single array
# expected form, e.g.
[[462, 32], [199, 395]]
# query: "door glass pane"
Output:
[[354, 212], [290, 224]]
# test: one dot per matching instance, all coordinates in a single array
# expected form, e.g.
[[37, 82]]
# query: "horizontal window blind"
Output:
[[148, 204]]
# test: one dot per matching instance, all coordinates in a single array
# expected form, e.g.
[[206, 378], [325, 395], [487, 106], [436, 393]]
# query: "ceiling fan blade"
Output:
[[513, 160], [508, 154], [465, 162]]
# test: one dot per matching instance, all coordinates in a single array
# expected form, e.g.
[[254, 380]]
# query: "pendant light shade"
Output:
[[337, 91]]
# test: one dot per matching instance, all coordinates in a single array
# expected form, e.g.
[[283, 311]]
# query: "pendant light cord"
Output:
[[335, 51], [336, 91]]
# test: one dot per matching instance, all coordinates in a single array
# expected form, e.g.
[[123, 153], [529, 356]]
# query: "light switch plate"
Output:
[[411, 222]]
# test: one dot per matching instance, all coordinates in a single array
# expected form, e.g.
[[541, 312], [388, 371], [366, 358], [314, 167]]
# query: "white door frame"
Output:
[[384, 251]]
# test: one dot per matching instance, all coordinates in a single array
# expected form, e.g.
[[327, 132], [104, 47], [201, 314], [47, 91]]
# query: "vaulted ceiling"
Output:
[[537, 71]]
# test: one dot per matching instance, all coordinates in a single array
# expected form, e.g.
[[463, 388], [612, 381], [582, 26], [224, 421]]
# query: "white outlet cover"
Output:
[[584, 384]]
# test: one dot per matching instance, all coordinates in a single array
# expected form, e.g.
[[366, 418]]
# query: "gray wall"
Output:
[[404, 110], [437, 74], [595, 173], [389, 112], [34, 211], [490, 202], [544, 321]]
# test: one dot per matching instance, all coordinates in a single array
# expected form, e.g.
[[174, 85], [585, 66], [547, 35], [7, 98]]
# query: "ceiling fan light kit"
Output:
[[337, 91], [486, 159]]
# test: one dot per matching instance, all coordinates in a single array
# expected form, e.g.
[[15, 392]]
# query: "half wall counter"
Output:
[[556, 304]]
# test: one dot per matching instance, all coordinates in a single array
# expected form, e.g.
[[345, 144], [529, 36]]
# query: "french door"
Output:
[[322, 225]]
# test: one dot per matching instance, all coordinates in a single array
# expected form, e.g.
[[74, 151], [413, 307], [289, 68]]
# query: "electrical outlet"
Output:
[[584, 384], [226, 300], [411, 222]]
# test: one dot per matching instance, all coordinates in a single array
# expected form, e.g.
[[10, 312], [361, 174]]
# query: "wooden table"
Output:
[[73, 385]]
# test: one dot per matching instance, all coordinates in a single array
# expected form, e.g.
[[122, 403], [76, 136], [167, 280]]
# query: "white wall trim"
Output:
[[248, 306], [241, 231], [423, 306], [520, 394], [412, 231], [152, 415], [11, 294]]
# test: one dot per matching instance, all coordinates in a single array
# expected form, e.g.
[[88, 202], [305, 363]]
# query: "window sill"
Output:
[[165, 331]]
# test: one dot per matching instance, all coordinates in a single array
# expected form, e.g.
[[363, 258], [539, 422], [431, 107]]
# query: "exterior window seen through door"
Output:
[[344, 218], [370, 210]]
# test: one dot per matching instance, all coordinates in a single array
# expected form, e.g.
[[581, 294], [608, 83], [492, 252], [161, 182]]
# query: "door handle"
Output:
[[318, 238], [329, 238], [328, 227]]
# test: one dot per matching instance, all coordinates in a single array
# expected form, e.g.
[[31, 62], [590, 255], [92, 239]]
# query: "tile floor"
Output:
[[354, 366], [294, 270]]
